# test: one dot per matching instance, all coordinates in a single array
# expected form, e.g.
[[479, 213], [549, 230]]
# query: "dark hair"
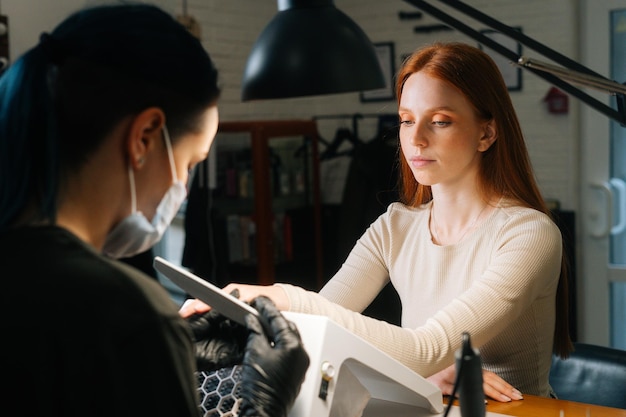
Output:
[[505, 167], [61, 98]]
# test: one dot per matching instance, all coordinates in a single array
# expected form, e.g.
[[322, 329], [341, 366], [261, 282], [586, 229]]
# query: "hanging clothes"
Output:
[[371, 185], [334, 164], [200, 254]]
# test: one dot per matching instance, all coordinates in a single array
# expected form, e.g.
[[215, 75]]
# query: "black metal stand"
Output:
[[570, 65]]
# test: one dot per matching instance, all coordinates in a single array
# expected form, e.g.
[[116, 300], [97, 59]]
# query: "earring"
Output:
[[140, 161]]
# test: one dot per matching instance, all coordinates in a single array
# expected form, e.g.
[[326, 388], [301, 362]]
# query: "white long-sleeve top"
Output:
[[499, 284]]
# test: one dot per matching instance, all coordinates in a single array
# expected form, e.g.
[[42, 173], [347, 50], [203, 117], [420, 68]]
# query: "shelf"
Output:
[[266, 193]]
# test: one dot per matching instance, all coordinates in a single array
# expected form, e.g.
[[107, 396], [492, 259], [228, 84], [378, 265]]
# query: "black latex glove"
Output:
[[272, 373], [218, 341]]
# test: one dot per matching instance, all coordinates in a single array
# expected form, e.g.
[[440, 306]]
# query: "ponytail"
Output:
[[28, 149]]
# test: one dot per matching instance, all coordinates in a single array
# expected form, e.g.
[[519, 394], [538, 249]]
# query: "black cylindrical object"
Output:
[[469, 370]]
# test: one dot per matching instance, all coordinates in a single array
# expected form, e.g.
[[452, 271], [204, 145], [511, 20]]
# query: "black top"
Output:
[[83, 335]]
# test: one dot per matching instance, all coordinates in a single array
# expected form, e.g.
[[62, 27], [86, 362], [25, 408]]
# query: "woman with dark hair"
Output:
[[471, 246], [100, 124]]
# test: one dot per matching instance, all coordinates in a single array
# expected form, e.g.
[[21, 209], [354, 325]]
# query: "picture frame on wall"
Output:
[[386, 56], [511, 73]]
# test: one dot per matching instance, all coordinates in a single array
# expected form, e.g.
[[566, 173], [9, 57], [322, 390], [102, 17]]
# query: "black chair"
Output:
[[592, 374]]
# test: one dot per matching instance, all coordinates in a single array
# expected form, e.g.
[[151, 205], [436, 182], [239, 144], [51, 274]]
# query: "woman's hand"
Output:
[[247, 293], [494, 386]]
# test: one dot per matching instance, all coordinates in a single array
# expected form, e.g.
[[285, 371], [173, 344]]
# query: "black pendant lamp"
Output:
[[310, 48]]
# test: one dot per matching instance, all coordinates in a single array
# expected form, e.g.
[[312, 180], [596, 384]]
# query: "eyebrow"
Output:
[[431, 110]]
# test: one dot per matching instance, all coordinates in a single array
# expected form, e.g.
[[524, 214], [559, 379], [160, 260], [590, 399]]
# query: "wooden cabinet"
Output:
[[268, 174]]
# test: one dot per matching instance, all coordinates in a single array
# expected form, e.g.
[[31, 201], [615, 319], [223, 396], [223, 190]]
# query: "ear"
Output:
[[490, 134], [143, 133]]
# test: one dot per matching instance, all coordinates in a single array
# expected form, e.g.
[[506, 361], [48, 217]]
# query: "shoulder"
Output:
[[68, 276], [97, 307], [525, 215], [400, 210], [137, 298], [399, 216], [520, 221]]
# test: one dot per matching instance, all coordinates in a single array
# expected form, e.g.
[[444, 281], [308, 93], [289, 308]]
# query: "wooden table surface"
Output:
[[532, 406]]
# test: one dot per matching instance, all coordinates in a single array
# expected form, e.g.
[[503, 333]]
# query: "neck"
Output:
[[451, 222], [89, 210]]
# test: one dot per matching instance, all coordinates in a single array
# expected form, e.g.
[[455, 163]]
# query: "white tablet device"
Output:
[[224, 303]]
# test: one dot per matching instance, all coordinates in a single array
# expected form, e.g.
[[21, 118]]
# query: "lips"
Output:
[[420, 161]]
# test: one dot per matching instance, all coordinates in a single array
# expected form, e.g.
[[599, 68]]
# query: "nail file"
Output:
[[224, 303]]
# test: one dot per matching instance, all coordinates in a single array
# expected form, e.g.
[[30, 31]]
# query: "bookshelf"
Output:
[[268, 200]]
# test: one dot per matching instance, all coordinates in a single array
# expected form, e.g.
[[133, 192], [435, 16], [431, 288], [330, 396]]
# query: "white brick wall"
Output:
[[230, 27]]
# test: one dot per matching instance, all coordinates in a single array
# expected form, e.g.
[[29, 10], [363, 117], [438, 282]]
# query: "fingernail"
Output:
[[504, 398], [517, 395]]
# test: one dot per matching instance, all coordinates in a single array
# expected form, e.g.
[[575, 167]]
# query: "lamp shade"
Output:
[[310, 48]]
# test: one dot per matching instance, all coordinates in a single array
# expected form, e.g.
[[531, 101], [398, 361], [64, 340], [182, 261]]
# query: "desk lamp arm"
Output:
[[573, 71]]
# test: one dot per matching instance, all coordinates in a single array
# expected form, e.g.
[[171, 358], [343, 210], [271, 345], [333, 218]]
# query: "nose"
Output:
[[419, 135]]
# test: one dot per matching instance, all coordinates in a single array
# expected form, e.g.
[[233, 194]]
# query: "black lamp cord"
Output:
[[457, 382]]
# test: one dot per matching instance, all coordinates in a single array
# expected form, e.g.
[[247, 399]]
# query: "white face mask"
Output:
[[135, 234]]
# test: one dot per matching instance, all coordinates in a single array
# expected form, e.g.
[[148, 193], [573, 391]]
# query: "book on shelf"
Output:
[[248, 238]]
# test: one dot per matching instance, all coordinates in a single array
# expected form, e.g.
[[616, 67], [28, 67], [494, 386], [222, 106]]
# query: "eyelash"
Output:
[[440, 123]]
